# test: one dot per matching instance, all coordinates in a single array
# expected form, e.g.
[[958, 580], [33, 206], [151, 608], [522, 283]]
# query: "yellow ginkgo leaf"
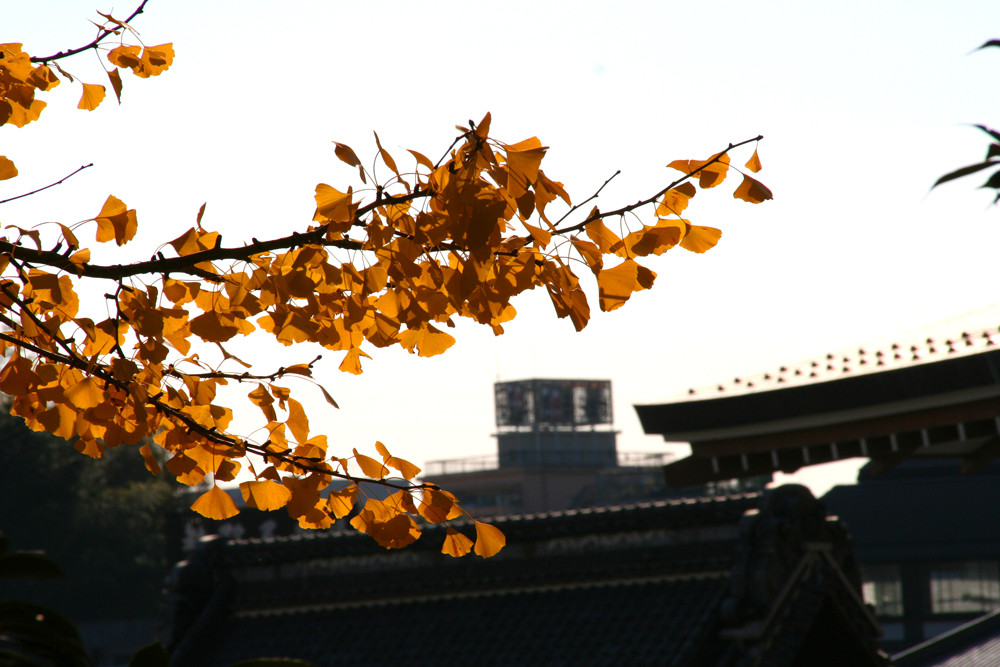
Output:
[[699, 239], [93, 95], [753, 164], [489, 539], [85, 394], [616, 285], [215, 504], [370, 467], [7, 169], [455, 543], [753, 191], [265, 495]]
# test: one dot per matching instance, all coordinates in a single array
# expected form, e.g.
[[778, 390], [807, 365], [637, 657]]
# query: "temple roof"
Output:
[[681, 582]]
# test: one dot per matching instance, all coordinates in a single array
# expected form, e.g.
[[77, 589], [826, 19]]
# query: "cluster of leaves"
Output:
[[992, 153], [393, 264]]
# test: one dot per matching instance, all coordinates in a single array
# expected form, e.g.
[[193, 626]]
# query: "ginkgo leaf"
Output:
[[699, 239], [265, 495], [227, 471], [352, 361], [542, 237], [297, 422], [422, 160], [116, 221], [489, 539], [753, 191], [125, 56], [346, 154], [753, 164], [116, 83], [426, 339], [213, 327], [676, 200], [523, 161], [93, 95], [341, 502], [617, 284], [87, 393], [215, 504], [370, 467], [7, 169], [333, 205], [455, 543]]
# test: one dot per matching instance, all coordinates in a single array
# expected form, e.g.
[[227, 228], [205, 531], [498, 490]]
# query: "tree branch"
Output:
[[50, 185], [639, 204], [101, 35]]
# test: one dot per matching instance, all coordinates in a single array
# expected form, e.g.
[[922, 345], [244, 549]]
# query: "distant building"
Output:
[[557, 450], [927, 539], [747, 580]]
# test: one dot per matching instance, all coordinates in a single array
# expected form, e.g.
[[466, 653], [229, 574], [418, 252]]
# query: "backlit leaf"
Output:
[[346, 154], [753, 191], [699, 239], [93, 95], [215, 504], [489, 539], [617, 284], [116, 83], [341, 502], [753, 164], [87, 393], [455, 543], [7, 169], [265, 495], [370, 467], [116, 221]]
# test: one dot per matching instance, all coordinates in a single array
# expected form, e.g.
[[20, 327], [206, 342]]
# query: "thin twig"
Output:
[[50, 185], [104, 32]]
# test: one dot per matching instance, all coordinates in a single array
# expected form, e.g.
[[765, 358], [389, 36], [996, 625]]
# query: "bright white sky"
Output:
[[862, 106]]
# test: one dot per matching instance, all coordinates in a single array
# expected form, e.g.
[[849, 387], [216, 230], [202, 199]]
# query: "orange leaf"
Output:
[[523, 160], [753, 164], [93, 95], [489, 539], [455, 543], [346, 154], [116, 83], [699, 239], [753, 191], [7, 169], [85, 394], [427, 339], [213, 327], [152, 465], [542, 237], [297, 422], [215, 504], [709, 175], [125, 56], [341, 502], [675, 200], [228, 469], [370, 467], [616, 285], [437, 506], [601, 235], [116, 221], [352, 361], [333, 205], [265, 495]]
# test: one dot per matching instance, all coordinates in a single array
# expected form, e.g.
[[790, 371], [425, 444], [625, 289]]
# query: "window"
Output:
[[961, 588], [882, 587]]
